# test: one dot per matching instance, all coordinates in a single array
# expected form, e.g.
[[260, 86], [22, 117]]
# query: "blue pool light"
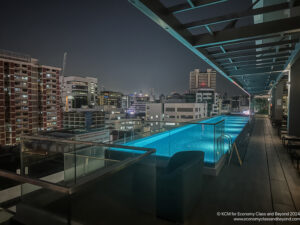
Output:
[[192, 137]]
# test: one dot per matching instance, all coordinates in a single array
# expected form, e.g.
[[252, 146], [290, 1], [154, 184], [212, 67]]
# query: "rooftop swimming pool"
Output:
[[199, 136]]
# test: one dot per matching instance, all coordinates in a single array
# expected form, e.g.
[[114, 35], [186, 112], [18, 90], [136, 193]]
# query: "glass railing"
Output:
[[169, 138], [85, 182], [166, 137]]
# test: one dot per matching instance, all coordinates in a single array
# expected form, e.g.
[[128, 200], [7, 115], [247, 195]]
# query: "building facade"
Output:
[[49, 96], [200, 79], [209, 96], [181, 98], [182, 112], [110, 98], [138, 104], [154, 111], [226, 106], [29, 97], [125, 102], [83, 119], [78, 92]]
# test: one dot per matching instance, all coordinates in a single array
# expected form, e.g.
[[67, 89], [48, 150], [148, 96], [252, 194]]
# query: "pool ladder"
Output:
[[232, 147]]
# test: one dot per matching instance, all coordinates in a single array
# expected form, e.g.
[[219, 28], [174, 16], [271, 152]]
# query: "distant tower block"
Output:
[[199, 80]]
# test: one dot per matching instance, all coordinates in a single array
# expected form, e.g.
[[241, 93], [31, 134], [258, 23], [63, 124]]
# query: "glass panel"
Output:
[[127, 196], [115, 183], [169, 138], [219, 131], [109, 183], [43, 160], [42, 206]]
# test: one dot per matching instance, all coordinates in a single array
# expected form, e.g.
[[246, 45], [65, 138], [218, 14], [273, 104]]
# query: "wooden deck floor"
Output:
[[266, 182]]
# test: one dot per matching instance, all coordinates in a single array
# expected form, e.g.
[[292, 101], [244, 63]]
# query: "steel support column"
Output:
[[294, 94]]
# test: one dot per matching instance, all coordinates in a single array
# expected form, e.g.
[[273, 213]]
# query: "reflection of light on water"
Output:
[[193, 137], [246, 112]]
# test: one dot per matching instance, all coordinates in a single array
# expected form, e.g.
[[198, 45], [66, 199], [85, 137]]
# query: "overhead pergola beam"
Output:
[[252, 62], [191, 3], [260, 74], [257, 65], [157, 12], [250, 40], [258, 57], [224, 51], [233, 55], [237, 57], [209, 30], [255, 71], [288, 25], [197, 4], [251, 47], [235, 16], [258, 87], [258, 92]]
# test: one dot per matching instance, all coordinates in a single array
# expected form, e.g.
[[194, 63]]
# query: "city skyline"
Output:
[[98, 49], [149, 112]]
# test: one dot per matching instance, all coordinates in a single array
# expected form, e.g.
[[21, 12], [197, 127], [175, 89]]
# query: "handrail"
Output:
[[213, 123], [141, 122], [34, 181], [107, 171], [154, 121], [84, 181], [187, 122], [87, 179], [229, 137], [165, 121], [43, 138]]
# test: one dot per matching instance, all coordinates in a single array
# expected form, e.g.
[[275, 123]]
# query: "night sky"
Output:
[[110, 40]]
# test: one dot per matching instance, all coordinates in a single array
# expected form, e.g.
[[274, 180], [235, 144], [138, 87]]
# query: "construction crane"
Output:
[[63, 74], [64, 64]]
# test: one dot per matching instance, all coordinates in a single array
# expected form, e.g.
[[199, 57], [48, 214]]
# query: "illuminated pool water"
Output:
[[199, 136]]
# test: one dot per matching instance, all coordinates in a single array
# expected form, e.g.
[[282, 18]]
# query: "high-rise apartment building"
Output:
[[78, 92], [29, 97], [209, 96], [200, 80], [49, 98]]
